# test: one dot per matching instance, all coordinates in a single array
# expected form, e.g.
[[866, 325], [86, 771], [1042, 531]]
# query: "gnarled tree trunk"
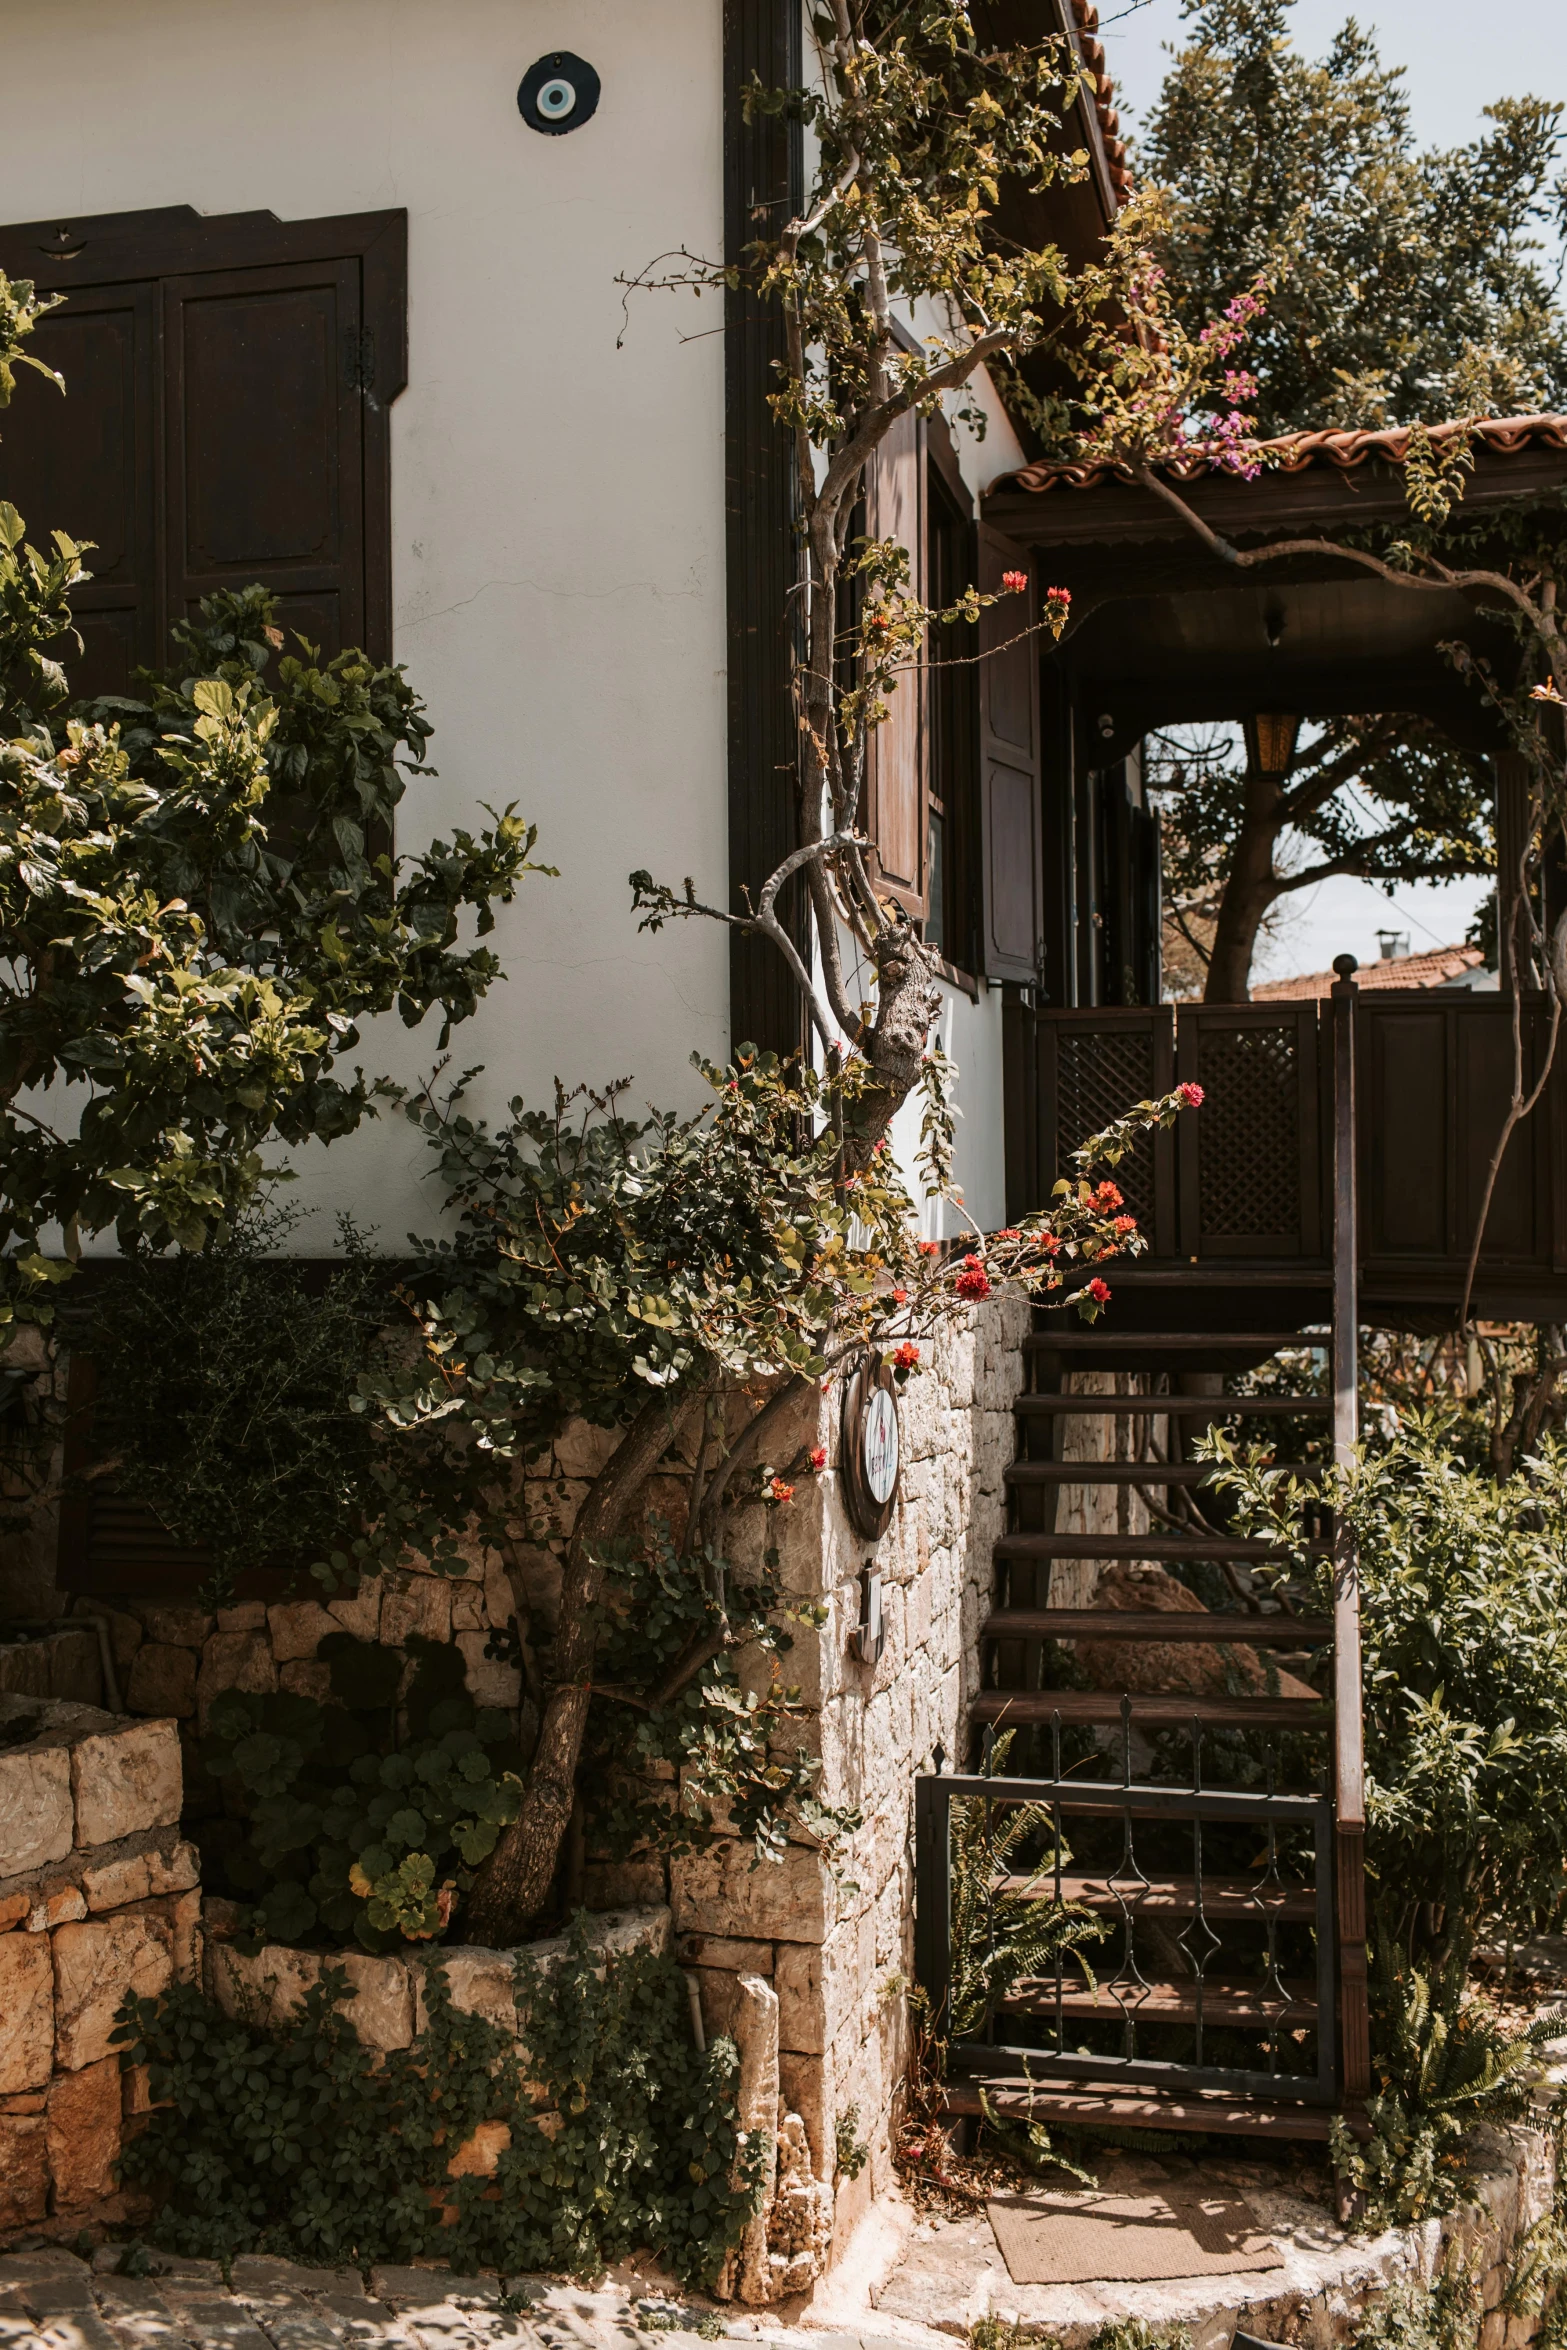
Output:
[[514, 1884]]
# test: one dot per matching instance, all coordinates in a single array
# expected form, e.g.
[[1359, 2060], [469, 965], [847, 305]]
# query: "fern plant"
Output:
[[1446, 2060], [1005, 1925]]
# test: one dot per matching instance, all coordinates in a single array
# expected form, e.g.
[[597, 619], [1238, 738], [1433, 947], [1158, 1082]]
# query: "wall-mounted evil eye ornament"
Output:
[[558, 94]]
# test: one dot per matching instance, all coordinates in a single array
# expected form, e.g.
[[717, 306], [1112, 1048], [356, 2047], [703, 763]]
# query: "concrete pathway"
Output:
[[52, 2300]]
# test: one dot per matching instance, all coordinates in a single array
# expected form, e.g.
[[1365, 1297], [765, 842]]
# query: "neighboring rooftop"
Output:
[[1438, 967]]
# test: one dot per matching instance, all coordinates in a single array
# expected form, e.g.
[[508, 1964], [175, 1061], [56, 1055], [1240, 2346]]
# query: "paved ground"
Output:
[[51, 2300]]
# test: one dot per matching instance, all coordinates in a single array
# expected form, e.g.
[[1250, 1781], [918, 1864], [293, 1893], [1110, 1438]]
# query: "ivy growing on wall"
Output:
[[302, 2143]]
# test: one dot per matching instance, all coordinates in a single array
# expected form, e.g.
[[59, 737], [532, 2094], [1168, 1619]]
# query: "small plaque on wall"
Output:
[[870, 1451]]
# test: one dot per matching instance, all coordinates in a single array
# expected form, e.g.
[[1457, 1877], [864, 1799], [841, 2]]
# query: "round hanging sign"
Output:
[[869, 1449]]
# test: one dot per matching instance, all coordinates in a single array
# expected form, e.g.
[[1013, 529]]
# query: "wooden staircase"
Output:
[[1203, 1800]]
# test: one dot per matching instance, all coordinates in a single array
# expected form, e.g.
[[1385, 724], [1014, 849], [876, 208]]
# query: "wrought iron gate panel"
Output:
[[1271, 2008]]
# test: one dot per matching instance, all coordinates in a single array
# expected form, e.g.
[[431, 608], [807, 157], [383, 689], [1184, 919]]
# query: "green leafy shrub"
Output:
[[1445, 2059], [352, 1827], [303, 2143]]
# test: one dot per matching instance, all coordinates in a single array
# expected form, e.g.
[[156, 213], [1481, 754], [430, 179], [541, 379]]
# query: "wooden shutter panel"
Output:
[[1009, 767], [229, 381], [84, 464], [896, 814], [264, 419]]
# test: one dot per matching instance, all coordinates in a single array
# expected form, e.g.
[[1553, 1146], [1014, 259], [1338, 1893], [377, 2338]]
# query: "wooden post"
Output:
[[1348, 1737], [1513, 794]]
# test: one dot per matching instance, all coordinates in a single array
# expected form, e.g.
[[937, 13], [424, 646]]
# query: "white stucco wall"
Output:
[[558, 544]]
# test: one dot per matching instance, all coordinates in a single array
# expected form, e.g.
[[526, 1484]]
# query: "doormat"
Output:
[[1128, 2239]]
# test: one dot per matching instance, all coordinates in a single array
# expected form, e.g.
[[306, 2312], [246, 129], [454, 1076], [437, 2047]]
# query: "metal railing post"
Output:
[[1348, 1736]]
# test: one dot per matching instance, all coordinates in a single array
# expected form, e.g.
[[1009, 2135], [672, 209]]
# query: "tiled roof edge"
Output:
[[1503, 435]]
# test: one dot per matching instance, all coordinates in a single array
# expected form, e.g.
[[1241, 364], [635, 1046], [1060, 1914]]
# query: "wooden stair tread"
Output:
[[1137, 1472], [1091, 1342], [1091, 1706], [1173, 1624], [1159, 1407], [1117, 2108], [1222, 1897], [1171, 2003], [1145, 1546]]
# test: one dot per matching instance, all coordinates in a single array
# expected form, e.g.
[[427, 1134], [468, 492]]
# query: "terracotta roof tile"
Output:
[[1503, 435], [1436, 968], [1085, 18]]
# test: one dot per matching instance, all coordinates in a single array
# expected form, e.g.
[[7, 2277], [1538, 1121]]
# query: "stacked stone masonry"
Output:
[[99, 1899]]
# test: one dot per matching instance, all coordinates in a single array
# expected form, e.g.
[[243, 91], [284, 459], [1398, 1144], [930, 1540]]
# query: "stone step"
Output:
[[1165, 1624], [1013, 1707], [1112, 2107], [1166, 2003], [1173, 1897]]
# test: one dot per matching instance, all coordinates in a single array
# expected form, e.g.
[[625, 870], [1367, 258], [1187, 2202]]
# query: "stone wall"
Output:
[[99, 1897], [832, 1936]]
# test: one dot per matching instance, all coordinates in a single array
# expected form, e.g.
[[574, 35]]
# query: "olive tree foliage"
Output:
[[199, 907], [915, 120], [1388, 798], [1406, 282]]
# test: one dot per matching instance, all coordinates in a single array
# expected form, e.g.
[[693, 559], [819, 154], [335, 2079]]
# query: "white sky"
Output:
[[1457, 64]]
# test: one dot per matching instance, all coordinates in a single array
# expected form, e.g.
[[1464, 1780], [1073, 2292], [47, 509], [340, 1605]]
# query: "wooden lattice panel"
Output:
[[1250, 1136], [1099, 1077]]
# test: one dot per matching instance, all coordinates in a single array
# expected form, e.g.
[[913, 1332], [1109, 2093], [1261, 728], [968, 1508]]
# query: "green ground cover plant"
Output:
[[303, 2143]]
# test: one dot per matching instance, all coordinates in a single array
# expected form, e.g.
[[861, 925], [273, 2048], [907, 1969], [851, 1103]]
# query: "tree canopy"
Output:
[[1404, 281]]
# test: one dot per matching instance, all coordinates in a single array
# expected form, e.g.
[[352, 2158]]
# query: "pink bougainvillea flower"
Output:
[[1099, 1291], [906, 1357], [929, 1248], [778, 1491], [1124, 1224], [973, 1282], [818, 1458], [1059, 595], [1014, 582], [900, 1297], [1107, 1197], [1191, 1095]]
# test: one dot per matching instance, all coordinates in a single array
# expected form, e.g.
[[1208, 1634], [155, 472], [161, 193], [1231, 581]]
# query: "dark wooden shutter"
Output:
[[896, 816], [110, 1543], [1010, 812], [225, 420]]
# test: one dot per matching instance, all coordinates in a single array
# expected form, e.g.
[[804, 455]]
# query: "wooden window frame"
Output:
[[175, 241]]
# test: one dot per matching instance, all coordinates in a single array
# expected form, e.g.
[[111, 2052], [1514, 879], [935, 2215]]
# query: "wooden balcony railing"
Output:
[[1245, 1184]]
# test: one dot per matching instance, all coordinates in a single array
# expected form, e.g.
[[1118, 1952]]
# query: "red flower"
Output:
[[1124, 1224], [1191, 1095], [1061, 596], [973, 1282], [929, 1248], [906, 1357], [1106, 1198], [1014, 582], [1099, 1291], [1050, 1244], [778, 1491], [900, 1297], [818, 1458]]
